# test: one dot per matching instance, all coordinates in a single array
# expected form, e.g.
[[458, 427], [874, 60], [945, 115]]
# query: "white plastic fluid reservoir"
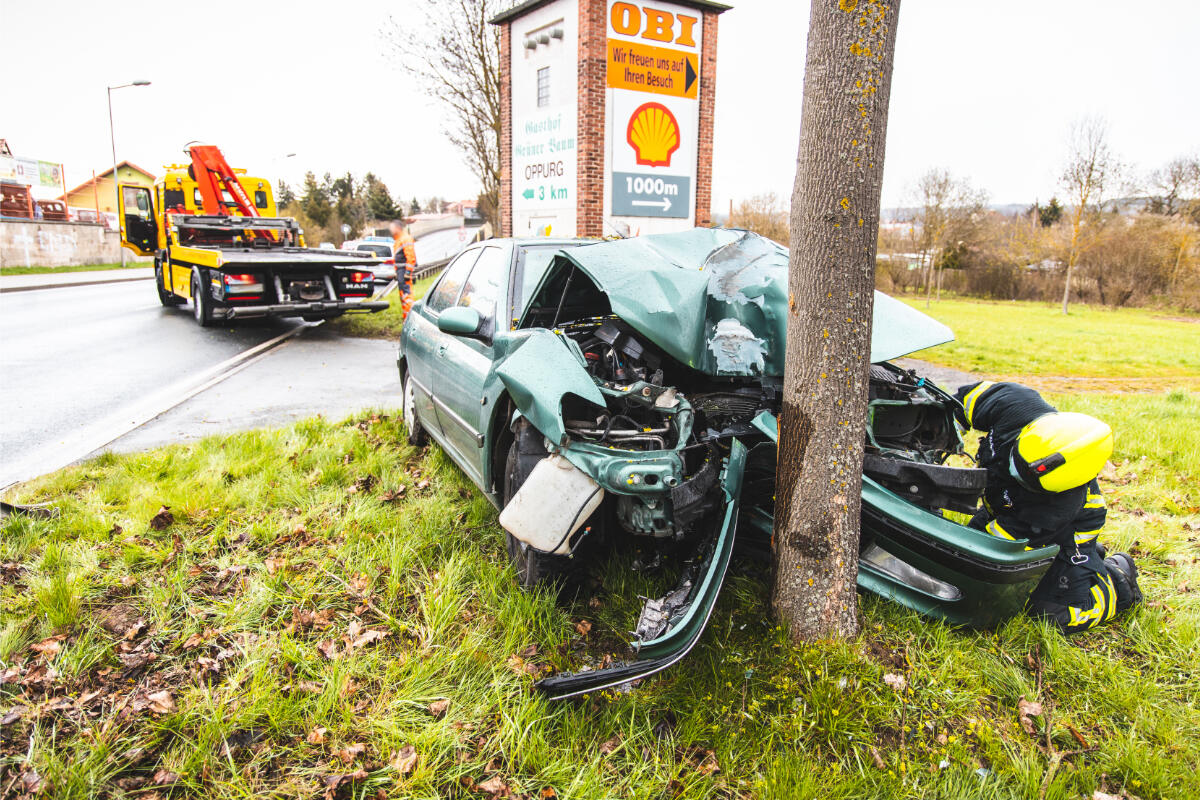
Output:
[[554, 501]]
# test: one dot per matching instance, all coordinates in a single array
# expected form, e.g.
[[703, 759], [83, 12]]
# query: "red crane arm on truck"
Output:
[[213, 173]]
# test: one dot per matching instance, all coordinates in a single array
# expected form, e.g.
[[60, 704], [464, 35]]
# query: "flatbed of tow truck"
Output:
[[217, 243]]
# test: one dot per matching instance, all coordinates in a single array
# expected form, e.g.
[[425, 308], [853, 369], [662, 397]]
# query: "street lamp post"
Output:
[[113, 138]]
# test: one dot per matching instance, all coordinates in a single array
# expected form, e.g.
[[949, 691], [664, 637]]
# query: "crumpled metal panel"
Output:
[[543, 370], [716, 299]]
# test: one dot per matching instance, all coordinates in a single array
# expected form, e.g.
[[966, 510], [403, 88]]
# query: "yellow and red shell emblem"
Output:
[[653, 133]]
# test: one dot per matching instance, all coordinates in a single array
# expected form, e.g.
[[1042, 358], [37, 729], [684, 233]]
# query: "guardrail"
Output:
[[431, 268]]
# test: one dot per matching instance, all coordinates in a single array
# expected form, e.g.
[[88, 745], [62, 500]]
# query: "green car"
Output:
[[635, 383]]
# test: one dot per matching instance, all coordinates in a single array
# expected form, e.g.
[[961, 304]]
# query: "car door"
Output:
[[466, 364], [422, 339], [139, 231]]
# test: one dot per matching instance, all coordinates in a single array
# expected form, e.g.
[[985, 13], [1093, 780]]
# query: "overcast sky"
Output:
[[987, 90]]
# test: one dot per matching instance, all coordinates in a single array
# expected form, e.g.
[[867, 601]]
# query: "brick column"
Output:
[[506, 219], [593, 35], [708, 93]]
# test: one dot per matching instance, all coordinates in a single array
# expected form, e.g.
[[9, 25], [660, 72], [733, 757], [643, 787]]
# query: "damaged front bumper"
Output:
[[671, 626]]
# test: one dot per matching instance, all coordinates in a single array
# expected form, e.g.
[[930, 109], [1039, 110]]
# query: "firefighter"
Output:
[[404, 248], [1041, 486]]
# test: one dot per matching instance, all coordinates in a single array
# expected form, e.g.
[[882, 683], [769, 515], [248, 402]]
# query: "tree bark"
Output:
[[831, 279]]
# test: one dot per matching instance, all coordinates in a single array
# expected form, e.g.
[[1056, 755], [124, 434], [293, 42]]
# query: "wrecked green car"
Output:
[[636, 383]]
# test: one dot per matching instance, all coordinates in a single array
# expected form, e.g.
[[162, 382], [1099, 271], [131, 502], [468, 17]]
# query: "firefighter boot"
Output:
[[1124, 575]]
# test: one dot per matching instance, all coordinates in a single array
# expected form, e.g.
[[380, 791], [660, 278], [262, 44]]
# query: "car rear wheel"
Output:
[[534, 567], [416, 435], [201, 305]]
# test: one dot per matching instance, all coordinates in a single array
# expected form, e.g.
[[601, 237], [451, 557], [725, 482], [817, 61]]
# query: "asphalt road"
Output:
[[91, 367], [72, 358]]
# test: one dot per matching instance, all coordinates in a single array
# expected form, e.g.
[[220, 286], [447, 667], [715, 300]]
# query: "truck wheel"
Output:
[[534, 568], [416, 435], [168, 299], [201, 305]]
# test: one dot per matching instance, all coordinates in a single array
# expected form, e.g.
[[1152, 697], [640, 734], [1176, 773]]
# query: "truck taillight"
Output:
[[361, 277], [244, 283]]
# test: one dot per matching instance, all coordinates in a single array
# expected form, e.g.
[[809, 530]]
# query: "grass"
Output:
[[385, 324], [76, 268], [1112, 348], [225, 651], [325, 610]]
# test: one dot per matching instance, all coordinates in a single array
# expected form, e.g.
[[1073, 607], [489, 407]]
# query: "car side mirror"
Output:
[[460, 321]]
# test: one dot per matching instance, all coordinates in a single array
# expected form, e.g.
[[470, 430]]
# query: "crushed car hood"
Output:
[[716, 299]]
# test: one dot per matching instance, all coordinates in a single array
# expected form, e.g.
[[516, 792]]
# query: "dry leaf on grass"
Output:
[[164, 777], [897, 682], [1026, 711], [310, 686], [329, 649], [162, 519], [494, 786], [583, 626], [316, 735], [610, 745], [48, 648], [332, 782], [273, 565], [351, 752], [438, 708], [548, 793], [877, 759], [404, 760]]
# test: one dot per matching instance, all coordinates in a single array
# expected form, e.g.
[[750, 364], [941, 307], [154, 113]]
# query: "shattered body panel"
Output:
[[653, 366]]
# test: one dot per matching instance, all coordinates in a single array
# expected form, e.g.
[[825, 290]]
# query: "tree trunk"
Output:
[[831, 280]]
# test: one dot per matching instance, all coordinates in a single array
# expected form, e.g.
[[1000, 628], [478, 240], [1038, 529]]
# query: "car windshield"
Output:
[[377, 249], [532, 264]]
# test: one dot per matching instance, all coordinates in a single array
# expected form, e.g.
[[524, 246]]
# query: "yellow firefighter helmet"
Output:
[[1060, 451]]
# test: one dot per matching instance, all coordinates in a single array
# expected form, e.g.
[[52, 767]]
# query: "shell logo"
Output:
[[653, 133]]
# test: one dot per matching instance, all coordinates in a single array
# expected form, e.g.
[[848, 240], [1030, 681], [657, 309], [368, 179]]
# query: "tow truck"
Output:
[[217, 242]]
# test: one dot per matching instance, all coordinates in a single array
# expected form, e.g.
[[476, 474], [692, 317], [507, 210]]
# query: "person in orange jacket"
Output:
[[405, 250]]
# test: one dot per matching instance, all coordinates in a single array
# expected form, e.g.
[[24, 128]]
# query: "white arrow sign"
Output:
[[664, 204]]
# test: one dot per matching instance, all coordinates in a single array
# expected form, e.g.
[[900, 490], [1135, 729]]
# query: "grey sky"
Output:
[[987, 90]]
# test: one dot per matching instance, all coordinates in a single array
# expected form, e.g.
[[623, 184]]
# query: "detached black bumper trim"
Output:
[[298, 309]]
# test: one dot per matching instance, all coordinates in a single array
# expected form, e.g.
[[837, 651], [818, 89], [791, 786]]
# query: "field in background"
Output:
[[324, 609], [1113, 349]]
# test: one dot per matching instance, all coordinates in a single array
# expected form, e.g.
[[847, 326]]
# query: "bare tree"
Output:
[[764, 214], [1091, 168], [831, 275], [452, 52], [1176, 183], [949, 210]]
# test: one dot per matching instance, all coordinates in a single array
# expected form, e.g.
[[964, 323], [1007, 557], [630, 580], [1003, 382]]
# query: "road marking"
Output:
[[107, 430], [71, 285]]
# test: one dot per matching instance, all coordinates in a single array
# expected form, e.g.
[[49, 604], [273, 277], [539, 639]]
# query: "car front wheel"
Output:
[[534, 567]]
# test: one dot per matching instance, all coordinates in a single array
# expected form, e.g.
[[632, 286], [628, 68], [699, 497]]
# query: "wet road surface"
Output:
[[71, 358]]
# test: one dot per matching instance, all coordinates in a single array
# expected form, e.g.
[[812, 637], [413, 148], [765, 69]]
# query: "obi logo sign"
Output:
[[654, 24], [653, 133]]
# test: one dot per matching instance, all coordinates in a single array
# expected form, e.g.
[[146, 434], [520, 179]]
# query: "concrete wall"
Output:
[[56, 244]]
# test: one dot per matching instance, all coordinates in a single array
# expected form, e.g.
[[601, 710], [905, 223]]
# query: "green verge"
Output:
[[1023, 338], [322, 588], [385, 324], [77, 268]]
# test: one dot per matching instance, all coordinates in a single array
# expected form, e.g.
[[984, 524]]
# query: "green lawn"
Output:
[[1023, 339], [325, 609], [384, 325], [79, 268]]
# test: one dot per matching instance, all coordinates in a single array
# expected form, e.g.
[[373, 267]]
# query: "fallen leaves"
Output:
[[350, 752], [438, 708], [160, 702], [494, 787], [404, 760], [48, 648], [583, 627], [1026, 711], [333, 782], [162, 519], [316, 735], [897, 682]]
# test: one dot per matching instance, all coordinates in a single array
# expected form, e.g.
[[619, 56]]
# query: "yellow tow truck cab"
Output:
[[218, 242]]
